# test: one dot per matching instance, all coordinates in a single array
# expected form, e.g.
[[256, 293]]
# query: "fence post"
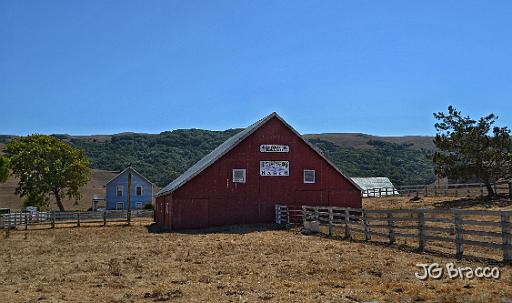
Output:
[[78, 219], [367, 236], [421, 230], [128, 216], [481, 192], [104, 218], [347, 224], [26, 221], [391, 230], [303, 215], [330, 221], [510, 189], [507, 238], [459, 237]]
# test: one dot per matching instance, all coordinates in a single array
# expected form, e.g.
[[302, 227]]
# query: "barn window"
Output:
[[119, 190], [139, 190], [309, 176], [239, 175], [138, 205], [120, 205]]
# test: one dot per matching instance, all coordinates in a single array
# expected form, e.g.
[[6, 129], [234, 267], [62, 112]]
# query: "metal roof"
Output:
[[227, 146], [373, 182]]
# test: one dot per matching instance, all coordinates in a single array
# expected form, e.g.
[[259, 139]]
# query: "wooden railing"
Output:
[[51, 219], [489, 230]]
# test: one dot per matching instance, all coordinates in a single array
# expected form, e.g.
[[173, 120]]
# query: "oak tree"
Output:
[[46, 166]]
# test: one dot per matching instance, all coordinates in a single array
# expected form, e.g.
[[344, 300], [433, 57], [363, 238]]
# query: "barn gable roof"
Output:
[[227, 146]]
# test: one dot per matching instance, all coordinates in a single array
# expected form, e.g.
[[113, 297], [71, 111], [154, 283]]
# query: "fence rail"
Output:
[[26, 219], [490, 230], [457, 190]]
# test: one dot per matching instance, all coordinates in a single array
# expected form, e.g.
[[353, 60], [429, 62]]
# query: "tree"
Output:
[[46, 166], [4, 168], [470, 149]]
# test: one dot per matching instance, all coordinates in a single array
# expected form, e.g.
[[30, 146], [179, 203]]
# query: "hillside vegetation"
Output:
[[163, 157]]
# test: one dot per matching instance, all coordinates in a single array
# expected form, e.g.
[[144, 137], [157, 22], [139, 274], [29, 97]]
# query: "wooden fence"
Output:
[[489, 231], [432, 190], [26, 219]]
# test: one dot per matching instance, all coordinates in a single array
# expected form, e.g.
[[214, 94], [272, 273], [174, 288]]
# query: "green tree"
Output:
[[4, 168], [469, 149], [47, 167]]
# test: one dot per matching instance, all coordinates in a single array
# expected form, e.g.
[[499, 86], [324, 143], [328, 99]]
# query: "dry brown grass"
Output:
[[237, 264]]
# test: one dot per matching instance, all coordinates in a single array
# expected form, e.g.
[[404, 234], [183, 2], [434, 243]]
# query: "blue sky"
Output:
[[378, 67]]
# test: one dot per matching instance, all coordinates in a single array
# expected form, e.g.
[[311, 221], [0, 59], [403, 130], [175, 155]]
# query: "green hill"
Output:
[[162, 157]]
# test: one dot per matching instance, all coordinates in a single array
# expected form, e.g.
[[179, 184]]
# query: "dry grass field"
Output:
[[236, 264]]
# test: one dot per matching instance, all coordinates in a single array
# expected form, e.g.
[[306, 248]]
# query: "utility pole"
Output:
[[129, 212]]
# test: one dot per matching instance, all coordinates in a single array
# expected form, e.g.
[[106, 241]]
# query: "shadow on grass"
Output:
[[230, 229], [498, 201]]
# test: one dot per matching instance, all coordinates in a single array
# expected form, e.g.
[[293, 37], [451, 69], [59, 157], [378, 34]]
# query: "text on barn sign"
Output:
[[274, 148], [274, 168]]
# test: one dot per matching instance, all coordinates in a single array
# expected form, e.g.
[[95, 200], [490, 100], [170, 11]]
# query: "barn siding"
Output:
[[212, 199]]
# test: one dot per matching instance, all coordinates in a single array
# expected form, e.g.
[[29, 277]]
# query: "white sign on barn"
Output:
[[274, 148], [274, 168]]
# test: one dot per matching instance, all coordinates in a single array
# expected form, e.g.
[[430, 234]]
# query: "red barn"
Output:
[[242, 180]]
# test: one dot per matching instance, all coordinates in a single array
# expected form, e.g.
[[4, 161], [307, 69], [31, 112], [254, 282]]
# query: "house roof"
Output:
[[133, 171], [227, 146]]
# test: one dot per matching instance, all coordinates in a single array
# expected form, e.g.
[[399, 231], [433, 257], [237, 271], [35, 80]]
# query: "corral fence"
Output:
[[288, 214], [26, 219], [432, 190], [485, 233]]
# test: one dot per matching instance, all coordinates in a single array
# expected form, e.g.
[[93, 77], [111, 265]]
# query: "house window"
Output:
[[138, 205], [309, 176], [120, 205], [239, 175], [119, 190], [139, 190]]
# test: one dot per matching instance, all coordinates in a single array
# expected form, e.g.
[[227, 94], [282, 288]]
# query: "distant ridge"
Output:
[[359, 140], [163, 157]]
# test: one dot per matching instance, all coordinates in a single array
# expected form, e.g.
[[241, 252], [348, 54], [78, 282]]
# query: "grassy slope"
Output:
[[95, 186]]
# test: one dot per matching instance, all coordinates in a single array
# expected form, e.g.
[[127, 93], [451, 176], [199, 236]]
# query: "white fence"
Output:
[[26, 219], [455, 190]]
